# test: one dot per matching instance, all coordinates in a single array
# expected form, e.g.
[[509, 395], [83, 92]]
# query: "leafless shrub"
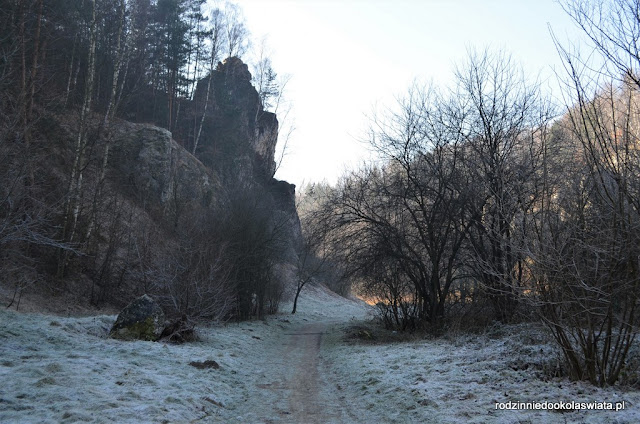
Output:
[[585, 253]]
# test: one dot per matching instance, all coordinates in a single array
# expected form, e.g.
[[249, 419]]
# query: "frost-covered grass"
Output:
[[58, 369], [459, 379], [66, 370]]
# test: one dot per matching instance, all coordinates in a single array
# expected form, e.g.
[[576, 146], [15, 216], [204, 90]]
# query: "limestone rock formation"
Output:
[[236, 126], [159, 190], [157, 169], [284, 196], [142, 319], [239, 138], [237, 149]]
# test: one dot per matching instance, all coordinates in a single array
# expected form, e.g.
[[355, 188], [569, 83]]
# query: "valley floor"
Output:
[[286, 369]]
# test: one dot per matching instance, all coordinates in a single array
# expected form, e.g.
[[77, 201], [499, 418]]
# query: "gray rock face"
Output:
[[264, 143], [284, 196], [142, 319], [236, 124], [149, 163]]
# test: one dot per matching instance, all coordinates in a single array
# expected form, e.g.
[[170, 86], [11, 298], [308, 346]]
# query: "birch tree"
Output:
[[73, 199], [109, 113], [216, 39]]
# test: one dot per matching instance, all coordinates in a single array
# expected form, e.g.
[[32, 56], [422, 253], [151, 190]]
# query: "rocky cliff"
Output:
[[156, 168], [159, 219], [236, 149], [239, 136]]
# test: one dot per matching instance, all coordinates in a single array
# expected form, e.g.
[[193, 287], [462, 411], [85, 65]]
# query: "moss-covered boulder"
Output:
[[142, 319]]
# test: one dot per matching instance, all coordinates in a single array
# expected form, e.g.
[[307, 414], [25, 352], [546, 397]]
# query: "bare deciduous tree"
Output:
[[215, 39], [503, 119], [586, 258], [237, 34], [401, 226]]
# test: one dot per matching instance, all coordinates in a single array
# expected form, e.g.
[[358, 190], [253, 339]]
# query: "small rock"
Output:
[[209, 363], [216, 403]]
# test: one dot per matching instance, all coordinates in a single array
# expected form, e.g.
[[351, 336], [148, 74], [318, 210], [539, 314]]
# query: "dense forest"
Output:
[[95, 206]]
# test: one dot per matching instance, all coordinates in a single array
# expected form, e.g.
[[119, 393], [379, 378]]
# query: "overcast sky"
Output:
[[347, 57]]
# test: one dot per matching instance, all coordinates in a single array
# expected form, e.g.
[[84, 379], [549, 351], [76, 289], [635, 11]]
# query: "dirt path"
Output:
[[305, 401], [307, 395]]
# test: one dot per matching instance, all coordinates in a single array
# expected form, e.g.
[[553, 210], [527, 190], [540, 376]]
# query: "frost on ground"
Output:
[[56, 369], [287, 369], [460, 379]]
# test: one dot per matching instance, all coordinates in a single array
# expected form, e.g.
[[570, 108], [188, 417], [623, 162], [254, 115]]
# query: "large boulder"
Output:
[[142, 319]]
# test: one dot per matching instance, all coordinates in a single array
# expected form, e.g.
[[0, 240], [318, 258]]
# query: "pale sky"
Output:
[[346, 57]]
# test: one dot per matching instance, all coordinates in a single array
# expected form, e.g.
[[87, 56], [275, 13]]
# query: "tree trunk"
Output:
[[72, 203], [108, 115], [214, 53], [295, 299]]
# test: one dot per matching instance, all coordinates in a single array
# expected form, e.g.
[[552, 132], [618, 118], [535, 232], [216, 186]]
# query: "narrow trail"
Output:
[[302, 379], [307, 400]]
